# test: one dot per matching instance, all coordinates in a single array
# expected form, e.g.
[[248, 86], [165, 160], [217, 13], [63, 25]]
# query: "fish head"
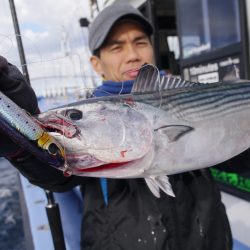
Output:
[[99, 136]]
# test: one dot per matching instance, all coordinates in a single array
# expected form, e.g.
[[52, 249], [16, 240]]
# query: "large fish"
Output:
[[165, 126]]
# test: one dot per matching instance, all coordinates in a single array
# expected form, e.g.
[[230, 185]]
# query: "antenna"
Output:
[[19, 41], [93, 7]]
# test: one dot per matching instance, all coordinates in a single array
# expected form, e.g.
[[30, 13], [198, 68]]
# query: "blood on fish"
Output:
[[122, 153], [130, 102]]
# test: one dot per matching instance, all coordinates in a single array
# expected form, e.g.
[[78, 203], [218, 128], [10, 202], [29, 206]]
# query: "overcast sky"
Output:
[[54, 42]]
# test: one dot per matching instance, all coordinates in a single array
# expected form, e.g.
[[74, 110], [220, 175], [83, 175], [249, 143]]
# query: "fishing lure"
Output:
[[25, 131]]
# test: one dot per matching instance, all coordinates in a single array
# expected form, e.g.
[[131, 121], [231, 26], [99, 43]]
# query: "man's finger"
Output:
[[3, 64]]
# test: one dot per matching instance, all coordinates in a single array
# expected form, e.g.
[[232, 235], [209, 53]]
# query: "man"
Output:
[[124, 214]]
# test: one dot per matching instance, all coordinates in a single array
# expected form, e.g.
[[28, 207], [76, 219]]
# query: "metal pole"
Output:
[[84, 23], [150, 7], [54, 218], [19, 41]]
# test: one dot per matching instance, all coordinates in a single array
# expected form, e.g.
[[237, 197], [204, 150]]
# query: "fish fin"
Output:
[[149, 79], [152, 185], [174, 132], [159, 182]]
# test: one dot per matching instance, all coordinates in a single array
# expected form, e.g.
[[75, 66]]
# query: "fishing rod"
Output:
[[54, 218], [19, 41]]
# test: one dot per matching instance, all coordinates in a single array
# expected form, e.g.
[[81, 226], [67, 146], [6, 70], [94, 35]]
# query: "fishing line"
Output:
[[104, 91], [23, 36], [2, 41], [41, 59], [36, 49], [75, 56], [78, 53], [112, 94], [158, 80], [120, 92], [66, 166]]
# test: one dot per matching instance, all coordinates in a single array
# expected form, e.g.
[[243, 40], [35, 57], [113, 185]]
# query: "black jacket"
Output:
[[134, 218]]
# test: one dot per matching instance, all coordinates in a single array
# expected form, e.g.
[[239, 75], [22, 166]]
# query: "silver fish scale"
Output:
[[19, 119]]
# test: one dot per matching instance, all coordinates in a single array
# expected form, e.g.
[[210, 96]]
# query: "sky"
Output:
[[55, 45]]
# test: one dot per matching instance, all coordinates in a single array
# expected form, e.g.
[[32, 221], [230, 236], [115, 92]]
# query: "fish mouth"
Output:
[[136, 167], [92, 164], [103, 167], [59, 124]]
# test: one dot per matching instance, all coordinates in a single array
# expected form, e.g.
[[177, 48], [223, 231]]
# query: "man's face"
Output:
[[127, 48]]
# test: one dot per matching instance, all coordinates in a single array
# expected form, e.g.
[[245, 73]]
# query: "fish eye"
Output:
[[74, 114]]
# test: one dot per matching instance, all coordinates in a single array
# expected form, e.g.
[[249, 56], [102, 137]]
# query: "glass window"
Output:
[[207, 25]]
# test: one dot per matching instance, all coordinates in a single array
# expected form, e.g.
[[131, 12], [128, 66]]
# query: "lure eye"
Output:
[[53, 149], [74, 114]]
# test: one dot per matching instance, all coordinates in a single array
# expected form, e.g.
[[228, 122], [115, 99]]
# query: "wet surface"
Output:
[[11, 228]]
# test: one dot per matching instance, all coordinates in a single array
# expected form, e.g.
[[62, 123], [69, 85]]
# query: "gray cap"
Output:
[[101, 26]]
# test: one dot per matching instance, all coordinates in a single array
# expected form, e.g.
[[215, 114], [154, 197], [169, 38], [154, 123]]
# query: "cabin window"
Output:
[[207, 25]]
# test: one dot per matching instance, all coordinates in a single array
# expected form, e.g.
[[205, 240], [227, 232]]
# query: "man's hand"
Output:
[[13, 85], [3, 64]]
